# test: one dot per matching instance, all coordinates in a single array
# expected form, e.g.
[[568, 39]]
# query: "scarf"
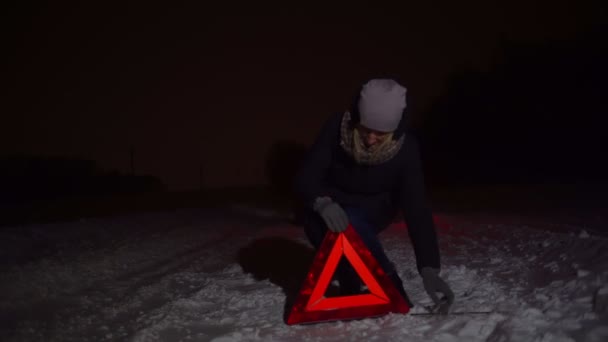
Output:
[[352, 142]]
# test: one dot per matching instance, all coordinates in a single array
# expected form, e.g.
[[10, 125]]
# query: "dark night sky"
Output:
[[192, 85]]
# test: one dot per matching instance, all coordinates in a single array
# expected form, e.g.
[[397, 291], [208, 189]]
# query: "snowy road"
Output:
[[196, 275]]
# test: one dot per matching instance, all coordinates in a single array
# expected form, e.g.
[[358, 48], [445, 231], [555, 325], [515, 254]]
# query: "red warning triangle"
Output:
[[312, 306]]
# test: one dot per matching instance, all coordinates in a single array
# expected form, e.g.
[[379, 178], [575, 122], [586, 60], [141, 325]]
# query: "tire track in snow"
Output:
[[168, 252]]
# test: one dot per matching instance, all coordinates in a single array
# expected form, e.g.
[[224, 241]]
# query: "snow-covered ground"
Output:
[[222, 275]]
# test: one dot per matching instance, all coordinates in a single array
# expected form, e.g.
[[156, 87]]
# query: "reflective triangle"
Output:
[[311, 305]]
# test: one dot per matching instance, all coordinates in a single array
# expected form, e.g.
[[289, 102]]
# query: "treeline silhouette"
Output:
[[30, 178], [538, 115]]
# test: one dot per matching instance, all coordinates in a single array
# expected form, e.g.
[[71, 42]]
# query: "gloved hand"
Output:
[[332, 213], [433, 284]]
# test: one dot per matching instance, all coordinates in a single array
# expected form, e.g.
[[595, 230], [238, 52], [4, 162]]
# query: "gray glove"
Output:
[[433, 284], [332, 213]]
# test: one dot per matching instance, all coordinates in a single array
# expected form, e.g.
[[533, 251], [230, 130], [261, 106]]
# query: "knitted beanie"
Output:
[[381, 104]]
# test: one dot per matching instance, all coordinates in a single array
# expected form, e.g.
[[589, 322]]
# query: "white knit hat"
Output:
[[381, 104]]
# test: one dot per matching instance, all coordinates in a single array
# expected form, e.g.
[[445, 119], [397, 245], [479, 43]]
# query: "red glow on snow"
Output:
[[441, 223]]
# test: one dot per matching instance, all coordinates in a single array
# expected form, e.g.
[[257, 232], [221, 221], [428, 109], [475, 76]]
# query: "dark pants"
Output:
[[350, 282]]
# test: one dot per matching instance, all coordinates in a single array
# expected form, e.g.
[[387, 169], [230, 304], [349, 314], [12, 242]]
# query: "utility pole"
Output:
[[132, 160], [201, 177]]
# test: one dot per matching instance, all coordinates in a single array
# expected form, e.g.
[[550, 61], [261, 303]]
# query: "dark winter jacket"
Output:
[[378, 190]]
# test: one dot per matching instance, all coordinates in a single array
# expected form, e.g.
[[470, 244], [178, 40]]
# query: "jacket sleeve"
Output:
[[416, 209], [310, 180]]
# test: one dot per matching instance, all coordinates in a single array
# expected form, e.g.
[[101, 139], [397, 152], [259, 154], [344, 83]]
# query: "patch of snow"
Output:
[[184, 276], [582, 273], [600, 300], [597, 334]]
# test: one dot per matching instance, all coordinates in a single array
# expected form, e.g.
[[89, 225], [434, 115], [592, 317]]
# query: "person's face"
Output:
[[371, 137]]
